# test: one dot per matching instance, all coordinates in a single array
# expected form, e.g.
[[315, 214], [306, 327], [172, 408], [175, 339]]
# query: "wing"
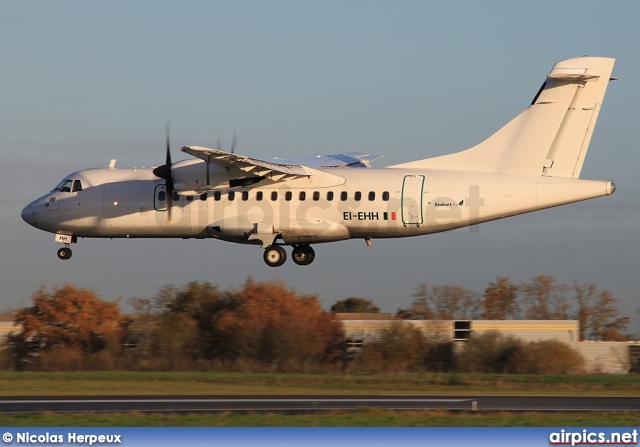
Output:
[[280, 169], [253, 166]]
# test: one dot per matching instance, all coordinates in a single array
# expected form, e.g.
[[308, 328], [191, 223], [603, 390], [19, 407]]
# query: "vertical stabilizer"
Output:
[[551, 136], [569, 148]]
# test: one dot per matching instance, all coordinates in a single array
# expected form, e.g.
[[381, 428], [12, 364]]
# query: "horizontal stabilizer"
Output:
[[349, 160]]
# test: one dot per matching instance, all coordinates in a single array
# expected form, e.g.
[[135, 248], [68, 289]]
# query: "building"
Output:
[[600, 356]]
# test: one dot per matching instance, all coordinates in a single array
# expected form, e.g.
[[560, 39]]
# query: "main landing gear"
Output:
[[275, 255], [303, 254]]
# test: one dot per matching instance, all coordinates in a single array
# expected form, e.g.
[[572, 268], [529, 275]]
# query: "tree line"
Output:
[[542, 298], [267, 326]]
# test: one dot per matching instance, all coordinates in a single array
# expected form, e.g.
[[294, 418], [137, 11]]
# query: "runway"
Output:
[[306, 404]]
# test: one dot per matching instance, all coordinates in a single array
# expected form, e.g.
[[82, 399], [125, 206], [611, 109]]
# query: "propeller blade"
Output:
[[234, 141], [166, 134], [169, 201], [164, 172]]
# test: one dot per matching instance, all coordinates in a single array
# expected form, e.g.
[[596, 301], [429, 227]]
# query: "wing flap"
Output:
[[280, 169], [250, 165]]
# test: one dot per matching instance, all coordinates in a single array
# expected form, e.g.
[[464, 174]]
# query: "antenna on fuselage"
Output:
[[112, 164]]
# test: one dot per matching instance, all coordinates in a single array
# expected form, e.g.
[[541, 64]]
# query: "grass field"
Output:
[[200, 383], [364, 417]]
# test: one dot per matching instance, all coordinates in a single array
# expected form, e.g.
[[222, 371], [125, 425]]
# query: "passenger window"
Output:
[[176, 196], [77, 186], [288, 195], [189, 198], [303, 195], [385, 196], [372, 196], [343, 195], [357, 196], [330, 196], [259, 196], [204, 196], [274, 195], [231, 195], [245, 195], [316, 196], [217, 195], [162, 196]]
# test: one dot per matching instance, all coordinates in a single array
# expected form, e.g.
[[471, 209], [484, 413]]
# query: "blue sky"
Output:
[[85, 82]]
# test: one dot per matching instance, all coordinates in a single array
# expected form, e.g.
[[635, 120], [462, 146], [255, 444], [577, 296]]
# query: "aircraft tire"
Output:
[[64, 253], [303, 255], [275, 256]]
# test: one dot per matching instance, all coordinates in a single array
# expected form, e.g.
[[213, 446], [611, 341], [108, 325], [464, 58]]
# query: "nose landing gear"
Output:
[[66, 239], [65, 253]]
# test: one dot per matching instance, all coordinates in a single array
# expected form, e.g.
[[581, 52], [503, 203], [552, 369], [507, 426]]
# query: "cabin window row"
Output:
[[288, 195]]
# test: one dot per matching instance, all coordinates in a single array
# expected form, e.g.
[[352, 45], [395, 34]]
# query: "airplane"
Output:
[[532, 163]]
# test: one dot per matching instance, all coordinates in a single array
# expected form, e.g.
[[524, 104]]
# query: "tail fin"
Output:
[[550, 137]]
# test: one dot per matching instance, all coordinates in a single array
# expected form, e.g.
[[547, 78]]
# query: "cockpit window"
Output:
[[64, 186], [68, 185]]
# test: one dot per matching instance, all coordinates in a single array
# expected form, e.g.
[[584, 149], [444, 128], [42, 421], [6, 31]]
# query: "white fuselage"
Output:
[[331, 205]]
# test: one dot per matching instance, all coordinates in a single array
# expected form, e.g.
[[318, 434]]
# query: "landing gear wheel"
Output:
[[275, 256], [303, 255], [64, 253]]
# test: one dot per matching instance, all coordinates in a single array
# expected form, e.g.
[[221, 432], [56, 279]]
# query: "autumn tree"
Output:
[[598, 315], [584, 295], [500, 300], [178, 325], [355, 305], [63, 327], [606, 323], [274, 325], [260, 325], [545, 299], [446, 302]]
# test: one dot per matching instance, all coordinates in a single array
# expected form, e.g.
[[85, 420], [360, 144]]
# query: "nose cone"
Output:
[[29, 214]]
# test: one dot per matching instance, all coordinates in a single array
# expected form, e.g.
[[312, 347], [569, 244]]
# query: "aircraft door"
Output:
[[161, 203], [160, 198], [412, 188]]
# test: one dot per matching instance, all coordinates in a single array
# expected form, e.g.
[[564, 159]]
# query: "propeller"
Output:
[[234, 141], [164, 172]]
